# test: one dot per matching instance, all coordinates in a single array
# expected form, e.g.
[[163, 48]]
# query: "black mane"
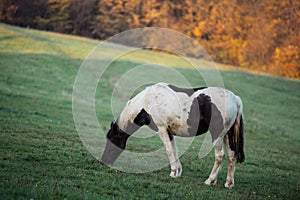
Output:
[[188, 91]]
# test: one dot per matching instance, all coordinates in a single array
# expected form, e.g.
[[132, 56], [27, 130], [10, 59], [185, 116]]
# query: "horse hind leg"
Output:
[[231, 168], [219, 155]]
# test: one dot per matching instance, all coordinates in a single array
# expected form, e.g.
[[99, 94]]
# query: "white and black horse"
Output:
[[170, 111]]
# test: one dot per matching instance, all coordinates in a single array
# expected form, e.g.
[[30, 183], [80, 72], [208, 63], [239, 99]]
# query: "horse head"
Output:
[[116, 143], [117, 138]]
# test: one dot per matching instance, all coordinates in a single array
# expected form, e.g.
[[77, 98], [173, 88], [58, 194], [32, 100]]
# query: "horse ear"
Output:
[[111, 125]]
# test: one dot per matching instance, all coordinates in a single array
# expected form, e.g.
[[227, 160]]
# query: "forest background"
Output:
[[258, 35]]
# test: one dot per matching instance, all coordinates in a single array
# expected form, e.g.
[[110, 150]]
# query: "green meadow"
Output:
[[42, 156]]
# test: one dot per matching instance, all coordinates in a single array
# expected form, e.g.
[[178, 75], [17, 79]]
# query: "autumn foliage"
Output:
[[260, 35]]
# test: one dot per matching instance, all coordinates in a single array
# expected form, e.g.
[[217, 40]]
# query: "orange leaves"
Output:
[[196, 32], [261, 35], [237, 51], [286, 61]]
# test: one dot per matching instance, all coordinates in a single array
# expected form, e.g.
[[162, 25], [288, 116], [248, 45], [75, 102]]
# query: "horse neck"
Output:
[[130, 111], [126, 118], [123, 119]]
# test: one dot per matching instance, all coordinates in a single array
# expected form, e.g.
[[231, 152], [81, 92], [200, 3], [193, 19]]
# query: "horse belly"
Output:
[[176, 122]]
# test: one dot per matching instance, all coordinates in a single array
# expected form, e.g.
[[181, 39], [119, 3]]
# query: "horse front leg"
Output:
[[171, 150], [219, 155], [178, 166]]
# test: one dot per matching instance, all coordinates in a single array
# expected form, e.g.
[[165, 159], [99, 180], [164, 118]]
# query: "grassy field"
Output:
[[42, 157]]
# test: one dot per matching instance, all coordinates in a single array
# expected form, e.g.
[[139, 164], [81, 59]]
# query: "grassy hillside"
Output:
[[41, 155]]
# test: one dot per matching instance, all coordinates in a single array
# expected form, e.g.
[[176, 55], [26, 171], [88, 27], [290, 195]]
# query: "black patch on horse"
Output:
[[188, 91], [216, 123], [117, 136], [199, 115], [143, 118], [204, 115], [116, 143]]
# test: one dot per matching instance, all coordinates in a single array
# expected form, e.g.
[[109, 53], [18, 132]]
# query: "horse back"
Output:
[[187, 113]]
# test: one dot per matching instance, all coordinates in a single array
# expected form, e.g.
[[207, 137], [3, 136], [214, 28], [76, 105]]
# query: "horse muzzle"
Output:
[[111, 153]]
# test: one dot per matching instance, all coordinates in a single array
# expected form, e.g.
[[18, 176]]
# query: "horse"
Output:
[[187, 112]]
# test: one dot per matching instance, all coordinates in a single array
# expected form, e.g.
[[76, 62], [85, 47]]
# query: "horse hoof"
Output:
[[210, 182], [175, 173], [173, 176], [229, 186]]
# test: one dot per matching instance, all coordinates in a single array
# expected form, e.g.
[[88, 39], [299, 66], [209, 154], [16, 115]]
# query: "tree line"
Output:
[[260, 35]]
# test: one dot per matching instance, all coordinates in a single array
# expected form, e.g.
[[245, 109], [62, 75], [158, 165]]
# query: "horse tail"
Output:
[[238, 130]]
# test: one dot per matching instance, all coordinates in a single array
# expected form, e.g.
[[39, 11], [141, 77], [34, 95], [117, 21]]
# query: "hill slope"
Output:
[[41, 155]]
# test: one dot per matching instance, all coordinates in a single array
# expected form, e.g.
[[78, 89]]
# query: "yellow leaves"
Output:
[[237, 50], [286, 55], [277, 51], [286, 61], [238, 29], [196, 32]]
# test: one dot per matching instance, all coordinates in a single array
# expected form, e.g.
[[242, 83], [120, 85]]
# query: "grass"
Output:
[[42, 157]]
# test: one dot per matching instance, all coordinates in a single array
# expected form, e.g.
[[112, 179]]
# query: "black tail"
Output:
[[239, 140], [236, 134]]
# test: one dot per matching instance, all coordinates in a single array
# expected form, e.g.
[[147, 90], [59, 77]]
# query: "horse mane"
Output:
[[188, 91]]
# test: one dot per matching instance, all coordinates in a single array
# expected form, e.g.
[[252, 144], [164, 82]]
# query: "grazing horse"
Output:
[[184, 112]]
